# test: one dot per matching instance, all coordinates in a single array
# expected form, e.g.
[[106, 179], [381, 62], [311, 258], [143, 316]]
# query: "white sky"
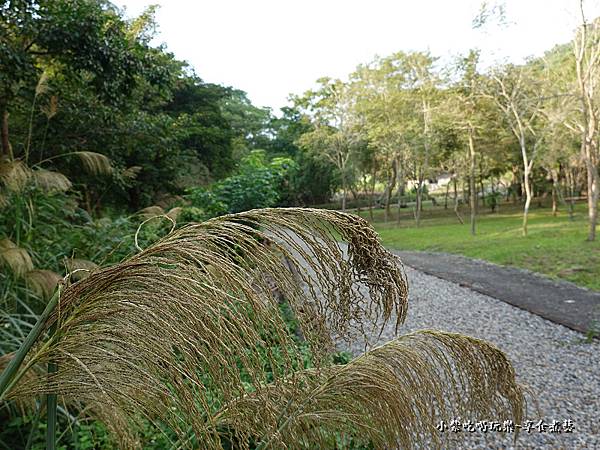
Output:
[[271, 48]]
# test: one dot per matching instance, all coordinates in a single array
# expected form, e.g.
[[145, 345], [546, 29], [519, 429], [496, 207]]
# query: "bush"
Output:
[[493, 200], [259, 184]]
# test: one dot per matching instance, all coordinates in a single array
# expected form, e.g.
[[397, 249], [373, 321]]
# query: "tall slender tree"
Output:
[[586, 47], [517, 94]]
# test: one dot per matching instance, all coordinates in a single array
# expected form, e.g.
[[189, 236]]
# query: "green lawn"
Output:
[[555, 246]]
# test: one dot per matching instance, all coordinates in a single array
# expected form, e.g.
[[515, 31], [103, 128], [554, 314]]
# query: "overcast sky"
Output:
[[271, 48]]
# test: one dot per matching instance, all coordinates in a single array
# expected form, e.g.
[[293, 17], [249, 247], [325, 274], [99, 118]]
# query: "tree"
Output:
[[422, 83], [335, 135], [80, 38], [517, 94], [470, 108], [249, 123], [206, 130], [468, 111], [388, 94], [313, 181], [368, 165], [109, 92], [586, 47], [561, 152], [381, 103], [180, 333]]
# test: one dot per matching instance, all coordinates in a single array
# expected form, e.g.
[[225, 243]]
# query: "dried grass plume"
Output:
[[51, 181], [15, 258], [182, 332]]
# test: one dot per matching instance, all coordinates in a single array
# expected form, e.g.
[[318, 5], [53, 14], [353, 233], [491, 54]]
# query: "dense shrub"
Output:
[[258, 184]]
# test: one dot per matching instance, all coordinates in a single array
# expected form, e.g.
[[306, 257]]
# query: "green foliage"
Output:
[[52, 228], [493, 199], [313, 180], [75, 75], [250, 124], [83, 38], [81, 433], [26, 210], [257, 185], [205, 128]]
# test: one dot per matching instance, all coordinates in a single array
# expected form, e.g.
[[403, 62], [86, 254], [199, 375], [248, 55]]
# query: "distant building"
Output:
[[433, 184]]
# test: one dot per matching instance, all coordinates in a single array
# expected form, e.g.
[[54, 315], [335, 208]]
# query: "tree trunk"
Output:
[[527, 203], [371, 195], [400, 190], [586, 66], [527, 168], [499, 196], [389, 190], [593, 191], [356, 199], [472, 189], [418, 205], [344, 192], [454, 182], [554, 198], [589, 150], [446, 195], [6, 148], [571, 190], [558, 190], [481, 185], [493, 199], [482, 191]]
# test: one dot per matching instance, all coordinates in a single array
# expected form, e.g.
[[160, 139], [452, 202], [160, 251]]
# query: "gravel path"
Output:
[[561, 369]]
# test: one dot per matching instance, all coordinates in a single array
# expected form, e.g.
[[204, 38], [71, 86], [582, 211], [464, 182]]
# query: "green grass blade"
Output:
[[6, 378]]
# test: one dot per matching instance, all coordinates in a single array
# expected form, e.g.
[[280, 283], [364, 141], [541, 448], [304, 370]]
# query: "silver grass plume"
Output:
[[14, 174], [80, 268], [42, 84], [17, 259], [157, 211], [50, 181], [170, 334], [95, 163], [43, 282], [51, 109], [392, 396], [151, 211]]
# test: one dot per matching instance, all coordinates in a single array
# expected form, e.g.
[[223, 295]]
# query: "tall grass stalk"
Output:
[[8, 377]]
